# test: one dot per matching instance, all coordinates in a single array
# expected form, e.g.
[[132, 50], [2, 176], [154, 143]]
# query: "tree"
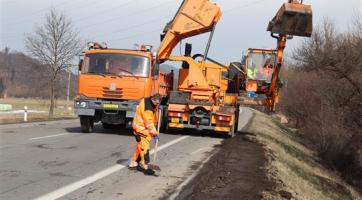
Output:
[[323, 96], [2, 87], [55, 44], [7, 73]]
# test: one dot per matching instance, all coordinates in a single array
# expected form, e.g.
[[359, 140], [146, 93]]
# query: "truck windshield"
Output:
[[117, 64], [261, 66]]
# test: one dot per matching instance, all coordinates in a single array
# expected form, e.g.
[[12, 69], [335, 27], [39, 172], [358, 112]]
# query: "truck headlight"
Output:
[[83, 104]]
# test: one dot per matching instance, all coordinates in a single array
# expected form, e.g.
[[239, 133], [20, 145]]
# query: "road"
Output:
[[54, 160]]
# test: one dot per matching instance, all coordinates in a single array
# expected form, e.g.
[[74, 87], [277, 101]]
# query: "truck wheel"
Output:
[[86, 123], [163, 120], [232, 132]]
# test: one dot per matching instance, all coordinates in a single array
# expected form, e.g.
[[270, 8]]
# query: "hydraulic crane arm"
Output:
[[194, 17]]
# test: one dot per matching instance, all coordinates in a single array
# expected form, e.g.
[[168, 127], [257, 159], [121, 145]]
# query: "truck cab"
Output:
[[113, 81], [258, 66]]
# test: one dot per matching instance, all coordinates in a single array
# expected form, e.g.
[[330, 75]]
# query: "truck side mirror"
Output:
[[80, 64], [162, 36], [243, 60], [155, 71]]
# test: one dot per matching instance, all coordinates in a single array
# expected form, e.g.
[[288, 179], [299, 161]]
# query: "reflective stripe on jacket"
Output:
[[145, 118]]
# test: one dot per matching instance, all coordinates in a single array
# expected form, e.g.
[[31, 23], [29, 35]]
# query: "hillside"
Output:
[[22, 76]]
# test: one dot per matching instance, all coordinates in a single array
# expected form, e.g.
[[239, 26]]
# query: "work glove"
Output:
[[156, 137]]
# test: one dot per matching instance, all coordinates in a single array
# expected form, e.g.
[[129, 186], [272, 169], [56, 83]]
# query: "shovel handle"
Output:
[[158, 130], [155, 153]]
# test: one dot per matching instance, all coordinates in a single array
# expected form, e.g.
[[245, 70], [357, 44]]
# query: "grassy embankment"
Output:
[[61, 110], [297, 171]]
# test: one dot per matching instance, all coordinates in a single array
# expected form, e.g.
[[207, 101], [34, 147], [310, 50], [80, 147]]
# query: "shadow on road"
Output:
[[123, 161], [98, 129], [196, 133]]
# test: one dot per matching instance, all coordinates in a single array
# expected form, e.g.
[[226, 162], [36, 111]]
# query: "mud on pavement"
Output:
[[236, 171]]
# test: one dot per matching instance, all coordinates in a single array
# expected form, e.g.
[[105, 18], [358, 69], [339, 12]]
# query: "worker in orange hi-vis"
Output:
[[144, 127]]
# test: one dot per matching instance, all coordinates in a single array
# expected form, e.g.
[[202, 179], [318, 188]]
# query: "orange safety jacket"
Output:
[[145, 118]]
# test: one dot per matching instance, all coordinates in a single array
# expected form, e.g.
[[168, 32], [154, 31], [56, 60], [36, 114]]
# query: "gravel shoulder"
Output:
[[237, 171]]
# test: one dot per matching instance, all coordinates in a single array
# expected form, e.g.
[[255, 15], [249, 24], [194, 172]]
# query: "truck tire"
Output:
[[163, 120], [232, 131], [87, 124]]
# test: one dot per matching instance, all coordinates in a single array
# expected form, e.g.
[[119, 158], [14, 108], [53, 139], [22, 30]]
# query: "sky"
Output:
[[123, 23]]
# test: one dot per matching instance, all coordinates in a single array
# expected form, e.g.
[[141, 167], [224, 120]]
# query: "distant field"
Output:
[[62, 109]]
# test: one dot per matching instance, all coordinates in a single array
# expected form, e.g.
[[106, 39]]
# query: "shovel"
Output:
[[154, 166]]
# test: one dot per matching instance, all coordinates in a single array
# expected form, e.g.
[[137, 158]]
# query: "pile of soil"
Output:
[[236, 171]]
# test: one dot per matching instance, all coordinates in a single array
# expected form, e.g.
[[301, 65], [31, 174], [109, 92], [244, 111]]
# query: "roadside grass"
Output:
[[61, 110], [296, 169]]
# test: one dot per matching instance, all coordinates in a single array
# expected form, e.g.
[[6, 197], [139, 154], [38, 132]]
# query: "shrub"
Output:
[[323, 96]]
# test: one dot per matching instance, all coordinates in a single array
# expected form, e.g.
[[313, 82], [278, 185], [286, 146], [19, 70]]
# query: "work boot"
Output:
[[143, 166], [133, 165], [146, 170], [149, 172]]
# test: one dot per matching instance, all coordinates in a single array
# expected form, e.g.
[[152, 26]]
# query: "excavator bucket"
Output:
[[294, 19]]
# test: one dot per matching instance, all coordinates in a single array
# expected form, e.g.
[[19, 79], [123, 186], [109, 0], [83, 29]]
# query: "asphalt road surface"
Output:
[[54, 160]]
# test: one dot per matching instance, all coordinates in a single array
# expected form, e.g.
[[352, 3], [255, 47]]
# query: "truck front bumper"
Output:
[[86, 107]]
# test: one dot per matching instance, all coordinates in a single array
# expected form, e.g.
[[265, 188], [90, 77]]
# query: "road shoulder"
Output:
[[237, 171], [267, 161]]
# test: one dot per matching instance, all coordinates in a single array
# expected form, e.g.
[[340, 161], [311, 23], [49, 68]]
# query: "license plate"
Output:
[[175, 120], [108, 105]]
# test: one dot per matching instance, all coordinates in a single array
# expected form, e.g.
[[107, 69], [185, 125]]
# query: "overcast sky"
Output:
[[122, 23]]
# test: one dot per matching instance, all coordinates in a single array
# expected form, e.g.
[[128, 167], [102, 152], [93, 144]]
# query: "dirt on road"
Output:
[[236, 171]]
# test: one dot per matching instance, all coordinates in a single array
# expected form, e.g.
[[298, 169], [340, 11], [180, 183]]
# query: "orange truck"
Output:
[[258, 67], [113, 81], [207, 94], [201, 100]]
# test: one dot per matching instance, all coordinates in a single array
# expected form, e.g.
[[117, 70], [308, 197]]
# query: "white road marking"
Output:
[[201, 149], [6, 146], [90, 179], [32, 124], [49, 136], [38, 138]]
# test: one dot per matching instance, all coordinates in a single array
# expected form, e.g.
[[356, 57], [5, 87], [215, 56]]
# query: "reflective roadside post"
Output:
[[25, 113]]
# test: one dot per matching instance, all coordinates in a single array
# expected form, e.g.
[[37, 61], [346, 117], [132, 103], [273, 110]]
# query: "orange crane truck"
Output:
[[201, 100], [260, 80], [113, 81], [207, 94], [258, 66]]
